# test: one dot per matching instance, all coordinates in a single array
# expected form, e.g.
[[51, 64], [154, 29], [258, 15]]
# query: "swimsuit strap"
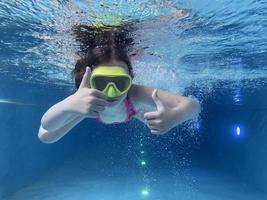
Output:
[[129, 107]]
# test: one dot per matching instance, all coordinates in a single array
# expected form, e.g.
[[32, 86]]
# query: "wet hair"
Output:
[[102, 44]]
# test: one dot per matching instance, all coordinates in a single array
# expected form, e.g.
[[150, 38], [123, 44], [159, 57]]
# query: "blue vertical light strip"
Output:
[[238, 131], [237, 96], [145, 189], [238, 64]]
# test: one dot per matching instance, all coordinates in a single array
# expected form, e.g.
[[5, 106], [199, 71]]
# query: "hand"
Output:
[[162, 120], [87, 101]]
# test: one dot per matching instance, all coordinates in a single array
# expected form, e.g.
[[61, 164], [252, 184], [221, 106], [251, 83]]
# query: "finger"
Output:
[[99, 102], [151, 115], [99, 94], [112, 103], [86, 78], [93, 114], [157, 100], [97, 108], [156, 132], [154, 127], [153, 122]]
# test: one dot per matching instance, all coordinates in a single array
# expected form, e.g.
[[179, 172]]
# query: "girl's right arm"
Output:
[[57, 121], [51, 137], [63, 116]]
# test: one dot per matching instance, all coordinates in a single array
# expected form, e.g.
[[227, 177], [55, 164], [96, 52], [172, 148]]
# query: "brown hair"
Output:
[[98, 45]]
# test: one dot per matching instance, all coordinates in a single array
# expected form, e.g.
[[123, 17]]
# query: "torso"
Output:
[[113, 114], [118, 114]]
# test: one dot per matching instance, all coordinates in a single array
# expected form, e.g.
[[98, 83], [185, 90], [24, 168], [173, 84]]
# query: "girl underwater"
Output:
[[105, 91]]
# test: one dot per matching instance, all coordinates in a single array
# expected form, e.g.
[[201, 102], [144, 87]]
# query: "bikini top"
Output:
[[130, 111]]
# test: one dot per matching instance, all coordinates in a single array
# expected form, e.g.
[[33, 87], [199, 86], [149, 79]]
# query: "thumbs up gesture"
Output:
[[162, 120], [87, 101]]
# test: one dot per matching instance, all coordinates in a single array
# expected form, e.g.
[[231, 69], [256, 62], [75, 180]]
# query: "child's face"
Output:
[[119, 99]]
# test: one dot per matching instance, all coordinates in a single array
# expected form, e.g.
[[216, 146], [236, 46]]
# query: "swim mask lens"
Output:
[[121, 83]]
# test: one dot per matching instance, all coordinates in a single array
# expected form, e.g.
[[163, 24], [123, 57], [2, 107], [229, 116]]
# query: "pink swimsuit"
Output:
[[130, 111]]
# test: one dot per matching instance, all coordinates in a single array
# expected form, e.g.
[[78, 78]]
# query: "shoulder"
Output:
[[141, 95]]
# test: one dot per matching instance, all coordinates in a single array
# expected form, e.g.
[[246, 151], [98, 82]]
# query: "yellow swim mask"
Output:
[[112, 80]]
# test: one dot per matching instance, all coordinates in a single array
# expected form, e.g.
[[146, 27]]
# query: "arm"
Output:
[[63, 116], [57, 121], [57, 116], [51, 137], [170, 109]]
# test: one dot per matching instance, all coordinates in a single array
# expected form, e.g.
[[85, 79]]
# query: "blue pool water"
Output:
[[215, 51]]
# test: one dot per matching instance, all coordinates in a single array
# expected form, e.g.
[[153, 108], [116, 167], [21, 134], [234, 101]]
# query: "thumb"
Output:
[[86, 78], [157, 101]]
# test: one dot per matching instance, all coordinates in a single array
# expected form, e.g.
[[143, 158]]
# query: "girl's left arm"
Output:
[[169, 108]]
